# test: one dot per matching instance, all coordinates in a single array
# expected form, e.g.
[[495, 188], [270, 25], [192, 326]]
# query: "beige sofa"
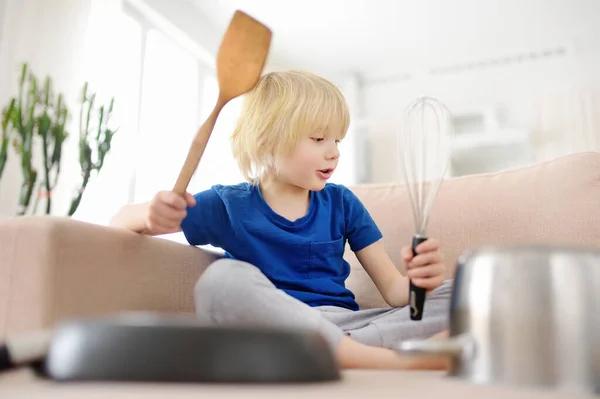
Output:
[[56, 268]]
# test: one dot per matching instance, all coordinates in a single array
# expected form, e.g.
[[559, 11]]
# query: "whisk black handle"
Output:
[[416, 294]]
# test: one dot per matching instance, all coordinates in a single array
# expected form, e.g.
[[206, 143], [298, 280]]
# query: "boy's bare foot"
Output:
[[354, 355]]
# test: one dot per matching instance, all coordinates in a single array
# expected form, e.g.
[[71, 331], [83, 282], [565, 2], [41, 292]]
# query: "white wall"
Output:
[[2, 12], [514, 89], [49, 36]]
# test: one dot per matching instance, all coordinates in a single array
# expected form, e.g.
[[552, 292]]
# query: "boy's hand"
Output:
[[166, 211], [427, 269]]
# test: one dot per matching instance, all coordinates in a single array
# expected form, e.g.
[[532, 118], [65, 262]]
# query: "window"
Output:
[[168, 119], [163, 92], [108, 191]]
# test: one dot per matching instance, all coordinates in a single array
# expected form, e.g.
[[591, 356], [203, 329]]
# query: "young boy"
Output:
[[284, 233]]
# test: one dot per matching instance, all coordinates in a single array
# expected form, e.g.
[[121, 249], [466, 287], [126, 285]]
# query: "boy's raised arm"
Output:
[[162, 215], [131, 217]]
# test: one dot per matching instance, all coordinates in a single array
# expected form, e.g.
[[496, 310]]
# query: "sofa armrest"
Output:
[[52, 268]]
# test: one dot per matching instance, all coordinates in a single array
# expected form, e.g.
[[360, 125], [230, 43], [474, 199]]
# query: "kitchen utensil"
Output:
[[151, 347], [240, 61], [24, 349], [423, 147], [524, 315]]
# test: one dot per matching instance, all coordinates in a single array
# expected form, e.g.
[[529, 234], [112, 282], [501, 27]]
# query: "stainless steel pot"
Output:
[[525, 316]]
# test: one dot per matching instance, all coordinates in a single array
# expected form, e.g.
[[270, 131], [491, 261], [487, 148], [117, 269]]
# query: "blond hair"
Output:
[[283, 108]]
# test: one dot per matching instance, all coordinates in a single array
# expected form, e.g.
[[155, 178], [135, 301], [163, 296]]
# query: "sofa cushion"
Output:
[[551, 202]]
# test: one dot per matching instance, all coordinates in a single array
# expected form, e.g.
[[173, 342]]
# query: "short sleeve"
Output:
[[361, 230], [207, 222]]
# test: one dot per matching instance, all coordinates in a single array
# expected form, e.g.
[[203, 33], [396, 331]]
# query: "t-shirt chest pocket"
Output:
[[326, 259]]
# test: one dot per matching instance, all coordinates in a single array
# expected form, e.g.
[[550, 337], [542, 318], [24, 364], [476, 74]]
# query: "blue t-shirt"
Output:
[[304, 257]]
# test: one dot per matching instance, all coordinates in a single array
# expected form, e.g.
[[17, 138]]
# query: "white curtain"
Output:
[[567, 122]]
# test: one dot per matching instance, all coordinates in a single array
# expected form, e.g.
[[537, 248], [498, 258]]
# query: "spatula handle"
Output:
[[197, 150], [416, 294]]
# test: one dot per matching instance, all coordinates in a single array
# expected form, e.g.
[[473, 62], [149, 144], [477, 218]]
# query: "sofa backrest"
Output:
[[551, 202]]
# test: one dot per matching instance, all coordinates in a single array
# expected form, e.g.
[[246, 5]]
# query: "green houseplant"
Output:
[[22, 122], [36, 120], [94, 140], [51, 128], [5, 138]]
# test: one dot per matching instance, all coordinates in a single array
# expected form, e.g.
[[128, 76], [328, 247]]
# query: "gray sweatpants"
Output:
[[231, 292]]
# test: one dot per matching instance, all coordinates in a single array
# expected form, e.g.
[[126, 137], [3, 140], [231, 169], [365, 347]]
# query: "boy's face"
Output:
[[312, 162]]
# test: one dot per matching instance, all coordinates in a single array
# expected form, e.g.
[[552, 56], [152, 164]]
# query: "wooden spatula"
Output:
[[240, 62]]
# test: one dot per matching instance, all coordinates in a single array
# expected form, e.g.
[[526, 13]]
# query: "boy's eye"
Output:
[[318, 139]]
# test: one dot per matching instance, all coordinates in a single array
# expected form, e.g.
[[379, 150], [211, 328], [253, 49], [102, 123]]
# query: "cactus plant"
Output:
[[5, 138], [51, 127], [92, 148], [39, 116], [23, 122], [35, 113]]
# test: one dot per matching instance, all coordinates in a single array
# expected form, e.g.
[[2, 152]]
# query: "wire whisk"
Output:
[[423, 152]]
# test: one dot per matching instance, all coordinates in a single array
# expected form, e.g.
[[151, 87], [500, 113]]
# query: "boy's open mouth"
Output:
[[325, 173]]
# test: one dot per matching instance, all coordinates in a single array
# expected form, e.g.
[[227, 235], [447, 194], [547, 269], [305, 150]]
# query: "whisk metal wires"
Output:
[[423, 154]]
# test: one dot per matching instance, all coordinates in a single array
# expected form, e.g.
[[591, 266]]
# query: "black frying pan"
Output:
[[149, 347]]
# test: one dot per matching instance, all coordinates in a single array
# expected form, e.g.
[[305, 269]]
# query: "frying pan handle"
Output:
[[416, 294], [459, 345], [24, 349]]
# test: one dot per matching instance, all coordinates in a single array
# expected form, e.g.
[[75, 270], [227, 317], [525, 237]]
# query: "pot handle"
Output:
[[459, 345]]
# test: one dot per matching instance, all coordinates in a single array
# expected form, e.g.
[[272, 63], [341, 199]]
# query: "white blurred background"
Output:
[[521, 77]]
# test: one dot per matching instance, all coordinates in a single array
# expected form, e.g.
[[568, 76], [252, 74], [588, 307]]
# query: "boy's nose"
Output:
[[333, 152]]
